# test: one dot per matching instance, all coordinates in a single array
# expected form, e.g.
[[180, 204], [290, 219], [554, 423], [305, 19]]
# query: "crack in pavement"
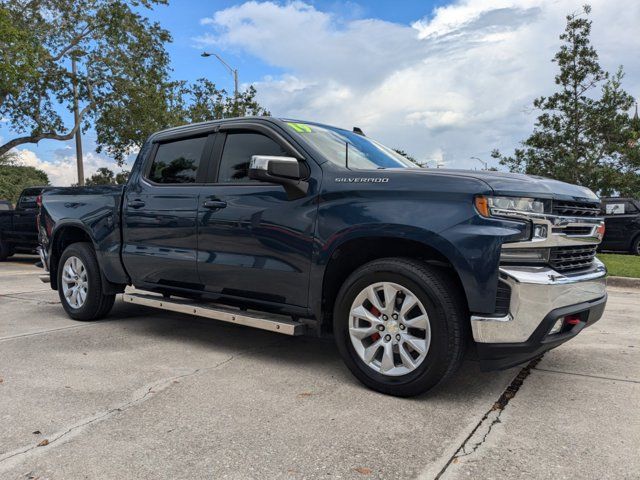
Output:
[[16, 296], [14, 457], [469, 446], [43, 332], [139, 396], [23, 293], [600, 377]]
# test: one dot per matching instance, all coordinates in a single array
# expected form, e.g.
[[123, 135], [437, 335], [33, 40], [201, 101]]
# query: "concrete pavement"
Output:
[[148, 394]]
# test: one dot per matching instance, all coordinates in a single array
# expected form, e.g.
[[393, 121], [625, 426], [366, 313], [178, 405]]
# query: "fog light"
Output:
[[557, 326], [524, 255], [539, 232]]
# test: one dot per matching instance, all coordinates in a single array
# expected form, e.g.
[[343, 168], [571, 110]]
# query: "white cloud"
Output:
[[63, 172], [454, 84]]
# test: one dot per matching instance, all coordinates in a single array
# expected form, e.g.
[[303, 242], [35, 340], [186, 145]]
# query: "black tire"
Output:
[[97, 305], [445, 307], [5, 250], [635, 246]]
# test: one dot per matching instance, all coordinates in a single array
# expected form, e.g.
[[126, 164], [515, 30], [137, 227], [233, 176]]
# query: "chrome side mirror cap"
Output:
[[284, 171]]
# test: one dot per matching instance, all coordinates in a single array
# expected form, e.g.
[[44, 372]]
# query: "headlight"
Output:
[[508, 206]]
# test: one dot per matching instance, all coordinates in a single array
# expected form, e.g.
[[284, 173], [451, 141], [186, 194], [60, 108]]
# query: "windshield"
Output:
[[350, 149]]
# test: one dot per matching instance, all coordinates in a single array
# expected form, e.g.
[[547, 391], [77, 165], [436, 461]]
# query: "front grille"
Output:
[[576, 209], [503, 298], [567, 259]]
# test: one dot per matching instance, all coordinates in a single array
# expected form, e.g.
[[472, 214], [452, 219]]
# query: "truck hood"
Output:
[[517, 184]]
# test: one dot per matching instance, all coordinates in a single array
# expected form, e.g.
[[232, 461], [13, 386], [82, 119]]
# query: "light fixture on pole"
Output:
[[486, 165], [232, 71]]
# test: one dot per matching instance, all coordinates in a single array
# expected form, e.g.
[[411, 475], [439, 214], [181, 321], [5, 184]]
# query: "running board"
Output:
[[263, 321]]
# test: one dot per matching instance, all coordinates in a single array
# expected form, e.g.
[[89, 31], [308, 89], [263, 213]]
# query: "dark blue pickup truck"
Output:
[[298, 227]]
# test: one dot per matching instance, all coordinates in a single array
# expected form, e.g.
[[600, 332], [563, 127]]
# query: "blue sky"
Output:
[[445, 81], [182, 19]]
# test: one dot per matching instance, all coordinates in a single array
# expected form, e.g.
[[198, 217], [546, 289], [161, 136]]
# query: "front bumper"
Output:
[[539, 297]]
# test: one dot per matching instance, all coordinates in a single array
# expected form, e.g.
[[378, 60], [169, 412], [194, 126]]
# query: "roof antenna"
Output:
[[358, 131]]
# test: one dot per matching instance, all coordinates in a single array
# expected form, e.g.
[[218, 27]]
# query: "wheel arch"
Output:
[[354, 252], [68, 233]]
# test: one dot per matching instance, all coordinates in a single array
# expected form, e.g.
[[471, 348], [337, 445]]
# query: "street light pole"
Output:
[[486, 164], [77, 119], [232, 71]]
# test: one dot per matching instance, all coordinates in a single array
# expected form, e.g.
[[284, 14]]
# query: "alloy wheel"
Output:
[[389, 329], [75, 282]]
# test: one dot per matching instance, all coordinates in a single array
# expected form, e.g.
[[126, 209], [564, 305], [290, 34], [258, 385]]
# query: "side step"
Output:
[[261, 320]]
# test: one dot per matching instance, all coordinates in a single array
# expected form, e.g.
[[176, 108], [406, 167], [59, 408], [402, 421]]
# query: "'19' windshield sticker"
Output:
[[300, 127]]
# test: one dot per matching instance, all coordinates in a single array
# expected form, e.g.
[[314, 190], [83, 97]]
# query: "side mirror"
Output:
[[284, 171]]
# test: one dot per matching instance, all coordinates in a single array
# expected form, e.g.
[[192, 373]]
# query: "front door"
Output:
[[160, 209], [253, 242], [25, 230]]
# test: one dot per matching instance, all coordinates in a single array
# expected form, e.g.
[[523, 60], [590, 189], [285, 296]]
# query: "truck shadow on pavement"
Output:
[[300, 355]]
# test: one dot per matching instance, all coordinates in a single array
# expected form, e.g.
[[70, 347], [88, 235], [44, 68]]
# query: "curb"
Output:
[[623, 282]]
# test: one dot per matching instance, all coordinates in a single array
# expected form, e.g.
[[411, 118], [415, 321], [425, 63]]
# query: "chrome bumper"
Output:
[[535, 292]]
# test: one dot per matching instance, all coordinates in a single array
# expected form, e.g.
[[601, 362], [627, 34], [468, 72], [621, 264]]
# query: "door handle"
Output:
[[214, 204], [136, 204]]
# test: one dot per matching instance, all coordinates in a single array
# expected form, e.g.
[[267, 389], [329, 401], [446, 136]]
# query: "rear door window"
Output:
[[620, 208], [178, 161]]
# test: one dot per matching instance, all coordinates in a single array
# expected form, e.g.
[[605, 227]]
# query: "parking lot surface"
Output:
[[148, 394]]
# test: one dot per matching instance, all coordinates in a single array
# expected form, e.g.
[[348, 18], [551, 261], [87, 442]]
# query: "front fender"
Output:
[[473, 250], [438, 214]]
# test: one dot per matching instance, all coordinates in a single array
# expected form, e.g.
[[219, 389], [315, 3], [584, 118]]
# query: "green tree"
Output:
[[411, 158], [122, 79], [128, 123], [581, 136], [15, 177], [118, 52], [105, 176]]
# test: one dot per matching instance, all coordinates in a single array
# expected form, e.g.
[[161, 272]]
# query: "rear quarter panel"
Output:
[[95, 210]]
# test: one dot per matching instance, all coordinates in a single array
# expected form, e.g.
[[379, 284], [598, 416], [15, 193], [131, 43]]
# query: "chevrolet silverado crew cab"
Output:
[[298, 227]]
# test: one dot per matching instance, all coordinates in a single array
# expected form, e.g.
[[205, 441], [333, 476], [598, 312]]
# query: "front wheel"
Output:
[[398, 324], [635, 247], [80, 284]]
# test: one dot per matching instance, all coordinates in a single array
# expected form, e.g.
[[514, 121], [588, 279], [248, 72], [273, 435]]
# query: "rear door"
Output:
[[253, 242], [160, 209]]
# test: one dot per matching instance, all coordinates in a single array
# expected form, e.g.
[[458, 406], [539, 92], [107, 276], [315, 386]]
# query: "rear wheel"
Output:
[[635, 247], [398, 324], [80, 284]]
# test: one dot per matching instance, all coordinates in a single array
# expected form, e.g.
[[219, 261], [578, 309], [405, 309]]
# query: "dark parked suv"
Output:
[[622, 222]]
